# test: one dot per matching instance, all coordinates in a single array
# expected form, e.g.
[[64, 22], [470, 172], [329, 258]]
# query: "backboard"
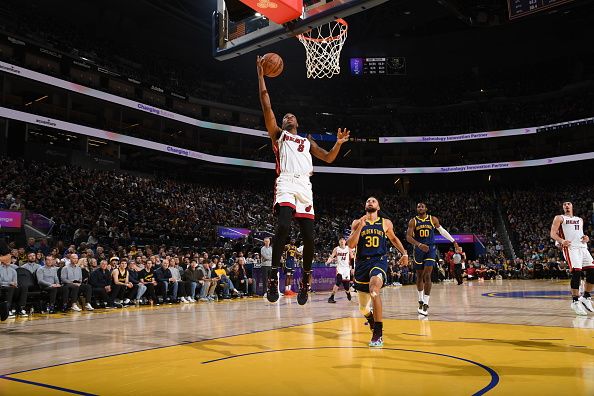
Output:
[[247, 31]]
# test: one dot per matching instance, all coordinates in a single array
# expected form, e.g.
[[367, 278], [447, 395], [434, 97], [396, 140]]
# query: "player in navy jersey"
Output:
[[421, 234], [370, 235]]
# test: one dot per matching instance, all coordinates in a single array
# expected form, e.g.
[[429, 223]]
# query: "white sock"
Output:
[[420, 295], [426, 299]]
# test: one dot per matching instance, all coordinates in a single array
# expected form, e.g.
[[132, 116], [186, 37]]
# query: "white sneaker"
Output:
[[183, 299], [76, 307], [89, 307], [127, 301], [425, 310], [578, 308], [587, 303], [191, 300]]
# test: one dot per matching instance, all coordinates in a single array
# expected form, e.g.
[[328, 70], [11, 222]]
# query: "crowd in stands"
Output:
[[123, 239], [506, 103]]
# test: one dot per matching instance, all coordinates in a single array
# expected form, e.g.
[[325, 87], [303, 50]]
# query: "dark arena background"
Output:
[[140, 242]]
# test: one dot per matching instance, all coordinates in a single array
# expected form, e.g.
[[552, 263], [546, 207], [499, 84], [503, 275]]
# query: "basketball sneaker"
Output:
[[331, 299], [420, 307], [377, 340], [578, 308], [425, 310], [587, 303], [272, 293], [349, 296], [302, 296]]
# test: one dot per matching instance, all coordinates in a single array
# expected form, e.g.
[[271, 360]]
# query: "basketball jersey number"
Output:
[[372, 241], [577, 227], [301, 147], [424, 233]]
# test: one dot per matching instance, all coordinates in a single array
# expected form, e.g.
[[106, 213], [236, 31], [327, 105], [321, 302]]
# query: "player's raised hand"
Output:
[[362, 220], [342, 135], [259, 63]]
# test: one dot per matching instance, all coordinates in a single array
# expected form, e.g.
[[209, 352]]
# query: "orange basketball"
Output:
[[272, 65]]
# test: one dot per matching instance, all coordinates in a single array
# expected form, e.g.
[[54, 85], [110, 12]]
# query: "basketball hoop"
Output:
[[322, 48]]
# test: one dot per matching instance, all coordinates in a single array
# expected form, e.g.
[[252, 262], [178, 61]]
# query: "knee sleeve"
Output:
[[346, 284], [283, 226], [364, 303], [285, 215], [338, 279], [590, 276], [307, 233], [575, 279]]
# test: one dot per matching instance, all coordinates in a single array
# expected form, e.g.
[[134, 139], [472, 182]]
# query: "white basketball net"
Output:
[[322, 48]]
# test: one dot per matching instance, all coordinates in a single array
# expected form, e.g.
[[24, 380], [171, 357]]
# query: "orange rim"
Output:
[[333, 38]]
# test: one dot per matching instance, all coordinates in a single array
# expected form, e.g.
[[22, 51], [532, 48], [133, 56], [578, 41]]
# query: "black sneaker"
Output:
[[331, 299], [349, 296], [302, 296], [3, 311], [272, 292]]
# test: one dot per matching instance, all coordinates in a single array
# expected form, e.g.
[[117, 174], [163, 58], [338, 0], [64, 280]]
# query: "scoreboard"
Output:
[[520, 8], [378, 66]]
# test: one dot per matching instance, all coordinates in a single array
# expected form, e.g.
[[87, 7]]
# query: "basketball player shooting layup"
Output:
[[370, 235], [568, 232], [342, 254], [293, 193], [421, 234]]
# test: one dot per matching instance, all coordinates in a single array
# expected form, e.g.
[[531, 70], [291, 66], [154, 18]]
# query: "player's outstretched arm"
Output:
[[269, 118], [444, 233], [554, 234], [331, 258], [396, 242], [329, 156]]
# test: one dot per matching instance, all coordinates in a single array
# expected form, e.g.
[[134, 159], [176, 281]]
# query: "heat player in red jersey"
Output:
[[293, 195], [568, 232]]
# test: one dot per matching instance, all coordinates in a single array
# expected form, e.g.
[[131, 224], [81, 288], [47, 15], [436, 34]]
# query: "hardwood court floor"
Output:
[[500, 338]]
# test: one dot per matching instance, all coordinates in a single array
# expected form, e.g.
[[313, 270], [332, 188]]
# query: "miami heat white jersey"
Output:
[[572, 229], [343, 259], [292, 155]]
